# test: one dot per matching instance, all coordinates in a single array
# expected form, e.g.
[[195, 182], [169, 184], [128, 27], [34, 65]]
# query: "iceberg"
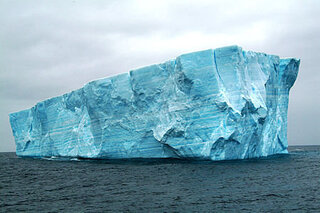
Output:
[[216, 104]]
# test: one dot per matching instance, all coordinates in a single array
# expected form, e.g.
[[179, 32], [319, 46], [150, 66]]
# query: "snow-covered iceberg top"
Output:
[[216, 104]]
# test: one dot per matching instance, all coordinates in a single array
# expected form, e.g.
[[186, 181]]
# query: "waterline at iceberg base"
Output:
[[216, 104]]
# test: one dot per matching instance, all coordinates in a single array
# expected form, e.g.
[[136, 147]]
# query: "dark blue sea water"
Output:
[[276, 184]]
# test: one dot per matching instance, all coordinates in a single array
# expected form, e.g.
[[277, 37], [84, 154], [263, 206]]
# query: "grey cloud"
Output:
[[48, 48]]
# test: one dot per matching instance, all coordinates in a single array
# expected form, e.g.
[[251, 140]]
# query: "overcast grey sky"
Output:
[[48, 48]]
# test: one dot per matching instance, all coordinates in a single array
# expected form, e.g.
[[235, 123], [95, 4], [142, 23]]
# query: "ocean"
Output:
[[280, 183]]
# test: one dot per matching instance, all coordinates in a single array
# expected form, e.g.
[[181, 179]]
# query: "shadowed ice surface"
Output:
[[278, 183]]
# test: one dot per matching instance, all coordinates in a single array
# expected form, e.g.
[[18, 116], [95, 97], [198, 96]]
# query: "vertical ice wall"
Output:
[[216, 104]]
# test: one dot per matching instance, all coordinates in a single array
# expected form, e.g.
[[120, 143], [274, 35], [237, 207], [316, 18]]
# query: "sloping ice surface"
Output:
[[216, 104]]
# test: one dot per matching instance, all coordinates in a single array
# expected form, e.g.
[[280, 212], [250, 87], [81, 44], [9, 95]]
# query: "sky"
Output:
[[48, 48]]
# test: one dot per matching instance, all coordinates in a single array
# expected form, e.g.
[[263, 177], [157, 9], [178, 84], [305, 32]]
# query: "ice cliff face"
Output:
[[216, 104]]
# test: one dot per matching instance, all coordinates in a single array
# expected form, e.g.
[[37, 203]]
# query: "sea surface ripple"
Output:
[[275, 184]]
